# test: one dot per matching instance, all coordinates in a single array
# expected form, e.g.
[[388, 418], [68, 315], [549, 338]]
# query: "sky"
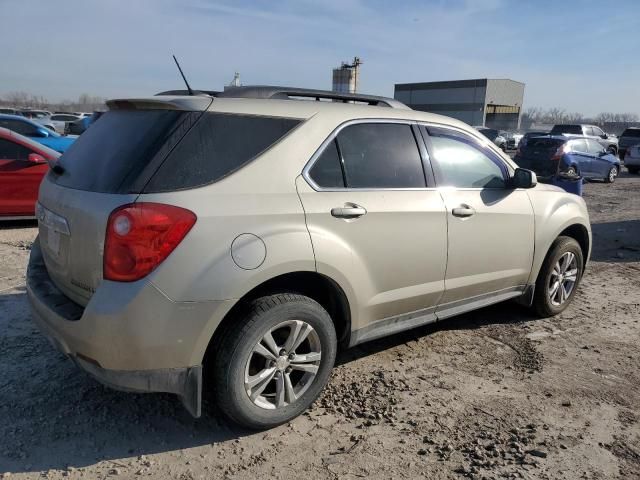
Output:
[[580, 55]]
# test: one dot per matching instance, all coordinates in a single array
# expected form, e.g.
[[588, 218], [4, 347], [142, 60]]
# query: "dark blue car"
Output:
[[551, 155], [36, 132]]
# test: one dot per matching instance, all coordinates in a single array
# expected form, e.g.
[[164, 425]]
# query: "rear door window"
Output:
[[326, 172], [381, 155], [594, 147], [218, 145], [579, 146]]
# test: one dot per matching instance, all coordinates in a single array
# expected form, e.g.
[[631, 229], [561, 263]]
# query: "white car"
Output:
[[60, 120]]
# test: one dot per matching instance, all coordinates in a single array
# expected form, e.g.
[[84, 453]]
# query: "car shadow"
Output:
[[15, 224], [55, 416], [616, 241], [499, 314]]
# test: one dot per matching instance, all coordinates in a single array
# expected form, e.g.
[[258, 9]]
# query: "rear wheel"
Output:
[[611, 176], [572, 171], [559, 277], [271, 366]]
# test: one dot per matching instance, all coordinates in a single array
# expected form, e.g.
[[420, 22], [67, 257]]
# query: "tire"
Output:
[[572, 171], [611, 176], [237, 362], [542, 300], [633, 170]]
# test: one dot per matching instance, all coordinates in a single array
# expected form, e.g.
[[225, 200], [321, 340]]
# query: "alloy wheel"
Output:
[[563, 278], [283, 364], [613, 173]]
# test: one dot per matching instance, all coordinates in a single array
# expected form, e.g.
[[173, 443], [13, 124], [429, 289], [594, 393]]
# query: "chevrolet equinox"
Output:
[[237, 240]]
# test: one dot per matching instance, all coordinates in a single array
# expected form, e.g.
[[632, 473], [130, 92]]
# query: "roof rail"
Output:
[[292, 93]]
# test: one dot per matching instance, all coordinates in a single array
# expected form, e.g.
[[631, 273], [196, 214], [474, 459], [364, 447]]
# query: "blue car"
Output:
[[36, 132], [550, 155]]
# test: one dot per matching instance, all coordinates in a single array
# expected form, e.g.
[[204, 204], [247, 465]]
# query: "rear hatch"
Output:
[[108, 166], [538, 155]]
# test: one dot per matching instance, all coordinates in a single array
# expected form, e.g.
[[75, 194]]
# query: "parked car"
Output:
[[629, 138], [10, 111], [512, 139], [609, 142], [528, 135], [79, 126], [60, 121], [244, 251], [555, 154], [36, 132], [632, 158], [495, 136], [23, 163]]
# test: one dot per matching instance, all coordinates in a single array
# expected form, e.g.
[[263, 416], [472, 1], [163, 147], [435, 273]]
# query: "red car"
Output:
[[23, 163]]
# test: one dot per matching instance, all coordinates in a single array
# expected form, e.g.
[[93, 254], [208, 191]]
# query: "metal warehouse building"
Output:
[[495, 103]]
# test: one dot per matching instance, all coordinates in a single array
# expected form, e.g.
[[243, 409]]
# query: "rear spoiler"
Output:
[[198, 103]]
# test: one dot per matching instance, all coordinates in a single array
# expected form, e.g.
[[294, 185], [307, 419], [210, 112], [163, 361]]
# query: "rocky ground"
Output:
[[492, 394]]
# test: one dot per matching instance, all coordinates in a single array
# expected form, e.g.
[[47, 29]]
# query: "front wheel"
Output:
[[611, 176], [274, 363], [559, 277]]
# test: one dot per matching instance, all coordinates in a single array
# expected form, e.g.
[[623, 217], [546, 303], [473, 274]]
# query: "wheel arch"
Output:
[[580, 234], [317, 286]]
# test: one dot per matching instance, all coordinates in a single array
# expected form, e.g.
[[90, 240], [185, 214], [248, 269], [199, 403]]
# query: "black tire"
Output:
[[633, 170], [234, 351], [541, 302], [611, 175]]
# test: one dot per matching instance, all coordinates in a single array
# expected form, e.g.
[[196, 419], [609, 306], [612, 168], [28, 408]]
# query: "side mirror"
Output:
[[604, 136], [523, 178], [42, 132], [36, 158]]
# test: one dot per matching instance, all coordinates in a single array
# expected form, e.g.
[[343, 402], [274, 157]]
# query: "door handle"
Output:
[[463, 211], [350, 210]]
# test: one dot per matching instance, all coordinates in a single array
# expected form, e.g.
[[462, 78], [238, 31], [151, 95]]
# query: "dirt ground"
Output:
[[492, 394]]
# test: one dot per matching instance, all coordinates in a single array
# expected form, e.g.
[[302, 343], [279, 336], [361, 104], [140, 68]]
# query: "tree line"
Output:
[[553, 116], [84, 103]]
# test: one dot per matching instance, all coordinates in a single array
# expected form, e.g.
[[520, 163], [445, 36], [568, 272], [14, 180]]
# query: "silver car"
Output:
[[239, 240]]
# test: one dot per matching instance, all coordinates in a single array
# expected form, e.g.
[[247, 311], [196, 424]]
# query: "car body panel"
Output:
[[37, 132], [20, 177]]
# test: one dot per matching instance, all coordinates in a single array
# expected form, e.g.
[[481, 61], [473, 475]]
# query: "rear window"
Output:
[[111, 156], [570, 129], [218, 145], [540, 143], [631, 133]]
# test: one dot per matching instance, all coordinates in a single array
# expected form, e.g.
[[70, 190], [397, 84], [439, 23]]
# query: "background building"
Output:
[[495, 103], [346, 77]]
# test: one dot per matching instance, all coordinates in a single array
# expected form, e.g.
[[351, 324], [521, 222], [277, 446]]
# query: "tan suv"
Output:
[[238, 240]]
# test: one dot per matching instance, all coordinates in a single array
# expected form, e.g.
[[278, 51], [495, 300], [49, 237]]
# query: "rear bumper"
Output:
[[129, 336]]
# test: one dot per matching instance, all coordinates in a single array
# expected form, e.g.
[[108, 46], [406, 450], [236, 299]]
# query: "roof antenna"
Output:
[[183, 77]]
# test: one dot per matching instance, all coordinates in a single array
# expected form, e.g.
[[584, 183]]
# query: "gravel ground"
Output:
[[491, 394]]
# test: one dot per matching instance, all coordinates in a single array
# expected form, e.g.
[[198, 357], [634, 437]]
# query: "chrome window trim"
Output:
[[332, 136]]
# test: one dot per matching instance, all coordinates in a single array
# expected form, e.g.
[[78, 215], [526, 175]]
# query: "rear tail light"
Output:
[[562, 149], [140, 236]]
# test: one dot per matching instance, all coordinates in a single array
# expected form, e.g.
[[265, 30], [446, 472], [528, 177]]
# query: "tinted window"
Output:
[[18, 126], [572, 129], [631, 133], [110, 156], [381, 155], [579, 146], [459, 161], [327, 171], [490, 133], [13, 151], [218, 145], [594, 147]]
